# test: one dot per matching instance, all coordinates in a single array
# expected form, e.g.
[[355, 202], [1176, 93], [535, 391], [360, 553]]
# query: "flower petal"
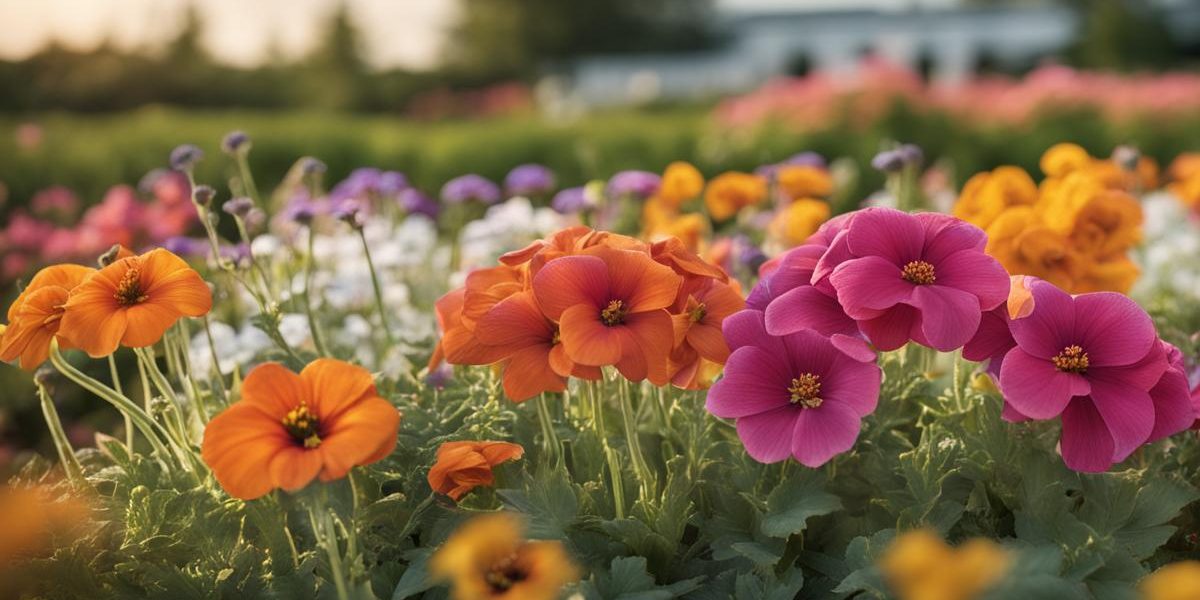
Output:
[[768, 436], [1113, 329], [755, 381], [949, 317], [747, 328], [868, 285], [1086, 443], [1051, 325], [570, 281], [892, 329], [527, 373], [515, 321], [336, 386], [585, 338], [807, 307], [1035, 388], [1127, 412], [1173, 410], [852, 383], [361, 435], [888, 233], [274, 390], [294, 467], [824, 432], [976, 273]]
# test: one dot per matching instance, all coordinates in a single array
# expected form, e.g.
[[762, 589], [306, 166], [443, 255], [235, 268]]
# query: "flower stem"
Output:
[[610, 455], [216, 374], [318, 338], [61, 444], [549, 437], [383, 320], [116, 384], [326, 535], [640, 468]]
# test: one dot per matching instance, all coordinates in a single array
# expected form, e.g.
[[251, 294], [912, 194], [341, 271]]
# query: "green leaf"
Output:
[[416, 577], [794, 501]]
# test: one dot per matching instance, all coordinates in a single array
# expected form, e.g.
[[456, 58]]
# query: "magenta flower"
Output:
[[801, 395], [1093, 359], [922, 277]]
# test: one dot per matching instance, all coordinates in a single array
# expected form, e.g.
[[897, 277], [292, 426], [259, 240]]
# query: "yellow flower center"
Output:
[[557, 337], [303, 426], [504, 574], [1071, 360], [698, 313], [614, 314], [806, 390], [129, 290], [918, 272]]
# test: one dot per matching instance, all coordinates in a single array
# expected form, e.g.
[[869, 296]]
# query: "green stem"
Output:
[[318, 338], [61, 444], [378, 289], [610, 455], [116, 384], [322, 524], [149, 428], [216, 374], [640, 469], [549, 437]]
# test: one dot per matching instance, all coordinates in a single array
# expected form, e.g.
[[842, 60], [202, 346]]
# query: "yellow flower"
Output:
[[1176, 581], [802, 181], [730, 192], [1025, 246], [798, 220], [1112, 275], [990, 193], [660, 221], [1064, 158], [33, 519], [488, 559], [1107, 223], [920, 566], [680, 182]]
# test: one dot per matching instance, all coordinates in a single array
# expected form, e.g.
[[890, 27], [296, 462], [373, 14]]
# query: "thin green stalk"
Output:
[[247, 176], [378, 289], [62, 445], [549, 437], [318, 338], [323, 529], [216, 374], [610, 455], [116, 384], [148, 426], [640, 469]]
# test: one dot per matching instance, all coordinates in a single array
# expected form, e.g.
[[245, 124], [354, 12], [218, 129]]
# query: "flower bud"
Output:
[[184, 157], [238, 207], [203, 195], [110, 256], [235, 142], [888, 161]]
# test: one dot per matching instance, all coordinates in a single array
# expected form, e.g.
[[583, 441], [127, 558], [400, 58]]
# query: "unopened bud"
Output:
[[184, 157], [110, 256]]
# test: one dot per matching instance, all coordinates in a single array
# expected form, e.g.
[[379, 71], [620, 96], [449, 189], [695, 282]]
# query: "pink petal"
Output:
[[1051, 325], [824, 432], [768, 436], [868, 285], [1173, 410], [1012, 415], [887, 233], [991, 339], [837, 253], [1086, 444], [949, 317], [1035, 388], [1128, 412], [746, 328], [854, 347], [977, 273], [946, 235], [1113, 329], [808, 308], [854, 384], [891, 330], [754, 382], [810, 352]]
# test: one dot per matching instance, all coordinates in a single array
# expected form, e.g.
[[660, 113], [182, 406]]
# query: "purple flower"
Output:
[[570, 200], [888, 161], [639, 184], [391, 183], [350, 211], [801, 395], [911, 154], [415, 201], [529, 180], [235, 141], [185, 156], [806, 159], [239, 206], [302, 209], [187, 246], [920, 277], [468, 188], [1094, 359]]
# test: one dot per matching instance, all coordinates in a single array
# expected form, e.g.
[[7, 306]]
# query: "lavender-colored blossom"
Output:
[[529, 180], [391, 183], [186, 246], [639, 184], [911, 154], [888, 161], [470, 188], [238, 207], [801, 395], [185, 156], [302, 209], [570, 201], [414, 201], [806, 159], [235, 141], [349, 211]]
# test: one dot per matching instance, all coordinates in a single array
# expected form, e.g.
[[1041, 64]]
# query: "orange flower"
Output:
[[289, 429], [680, 182], [797, 221], [986, 195], [35, 316], [535, 360], [610, 306], [700, 311], [1064, 158], [464, 466], [488, 559], [133, 302], [730, 192], [803, 181]]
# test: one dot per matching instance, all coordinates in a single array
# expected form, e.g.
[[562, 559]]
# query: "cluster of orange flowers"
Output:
[[581, 300], [1075, 230], [131, 302], [801, 190], [1184, 174]]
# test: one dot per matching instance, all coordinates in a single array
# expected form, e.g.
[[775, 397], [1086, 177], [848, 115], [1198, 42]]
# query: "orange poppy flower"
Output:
[[610, 306], [702, 308], [464, 466], [133, 302], [535, 360], [673, 253], [730, 192], [488, 559], [35, 317], [289, 429]]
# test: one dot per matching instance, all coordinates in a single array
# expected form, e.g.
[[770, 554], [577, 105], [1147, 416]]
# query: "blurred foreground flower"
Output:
[[1175, 581], [488, 559], [920, 566]]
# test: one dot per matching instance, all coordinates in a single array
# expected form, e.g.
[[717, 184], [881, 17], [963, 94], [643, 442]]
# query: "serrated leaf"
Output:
[[794, 501]]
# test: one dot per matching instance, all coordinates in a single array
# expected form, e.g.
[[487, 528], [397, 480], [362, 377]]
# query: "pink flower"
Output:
[[801, 395], [993, 339], [1094, 359], [922, 277]]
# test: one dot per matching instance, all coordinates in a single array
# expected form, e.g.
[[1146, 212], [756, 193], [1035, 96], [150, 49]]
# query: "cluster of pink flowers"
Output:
[[38, 236], [814, 100], [802, 373]]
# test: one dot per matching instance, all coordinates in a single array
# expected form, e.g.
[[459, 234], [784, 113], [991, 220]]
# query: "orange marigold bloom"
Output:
[[488, 559], [986, 195], [804, 181], [920, 566], [35, 317], [610, 306], [1173, 581], [797, 221], [289, 429], [1025, 246], [730, 192], [680, 182], [133, 302], [1064, 158], [464, 466]]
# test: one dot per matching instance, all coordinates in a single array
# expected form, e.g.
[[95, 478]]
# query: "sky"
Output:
[[397, 33]]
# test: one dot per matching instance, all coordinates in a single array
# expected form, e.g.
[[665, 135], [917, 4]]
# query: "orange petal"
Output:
[[516, 321], [239, 445], [586, 339], [651, 333], [295, 467], [357, 435], [570, 281], [274, 390], [709, 342], [528, 373], [336, 386], [147, 322], [635, 278], [92, 319], [499, 452]]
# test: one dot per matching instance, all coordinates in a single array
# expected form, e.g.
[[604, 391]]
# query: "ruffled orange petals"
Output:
[[133, 302], [35, 317], [488, 559], [464, 466], [289, 429]]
